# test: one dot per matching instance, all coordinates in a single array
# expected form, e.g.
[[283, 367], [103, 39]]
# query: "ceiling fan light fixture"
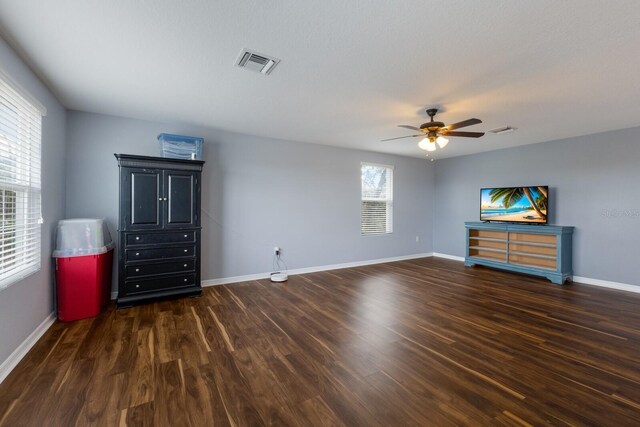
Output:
[[427, 144], [442, 141]]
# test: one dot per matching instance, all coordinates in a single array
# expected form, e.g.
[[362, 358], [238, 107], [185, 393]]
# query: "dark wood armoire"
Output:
[[158, 228]]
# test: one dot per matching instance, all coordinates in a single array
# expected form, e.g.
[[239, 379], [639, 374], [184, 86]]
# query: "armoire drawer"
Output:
[[160, 283], [160, 238], [161, 253], [160, 268]]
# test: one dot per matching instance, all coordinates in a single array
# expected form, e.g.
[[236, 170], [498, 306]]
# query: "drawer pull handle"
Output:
[[137, 238], [185, 265], [137, 286], [137, 253], [185, 250], [185, 280], [160, 198], [165, 198], [186, 235], [137, 269]]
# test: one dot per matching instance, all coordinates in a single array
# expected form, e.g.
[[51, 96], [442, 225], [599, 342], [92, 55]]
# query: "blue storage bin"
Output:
[[180, 146]]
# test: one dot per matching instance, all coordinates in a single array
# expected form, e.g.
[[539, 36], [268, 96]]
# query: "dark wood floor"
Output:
[[422, 342]]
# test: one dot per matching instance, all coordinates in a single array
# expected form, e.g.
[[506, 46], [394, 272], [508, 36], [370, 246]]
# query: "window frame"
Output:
[[387, 200]]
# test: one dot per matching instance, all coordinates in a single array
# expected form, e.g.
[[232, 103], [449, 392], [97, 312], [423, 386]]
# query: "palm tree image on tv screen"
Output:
[[514, 204]]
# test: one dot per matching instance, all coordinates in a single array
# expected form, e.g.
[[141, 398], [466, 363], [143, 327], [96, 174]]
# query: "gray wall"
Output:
[[24, 305], [594, 185], [258, 193]]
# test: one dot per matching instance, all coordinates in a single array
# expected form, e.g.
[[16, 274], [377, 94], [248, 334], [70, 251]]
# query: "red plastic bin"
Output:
[[84, 256], [83, 285]]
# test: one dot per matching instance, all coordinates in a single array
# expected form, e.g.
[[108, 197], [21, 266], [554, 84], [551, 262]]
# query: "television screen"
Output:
[[514, 204]]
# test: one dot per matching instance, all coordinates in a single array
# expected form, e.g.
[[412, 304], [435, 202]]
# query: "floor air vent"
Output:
[[256, 61]]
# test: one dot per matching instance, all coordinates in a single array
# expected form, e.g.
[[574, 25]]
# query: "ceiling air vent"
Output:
[[504, 129], [256, 61]]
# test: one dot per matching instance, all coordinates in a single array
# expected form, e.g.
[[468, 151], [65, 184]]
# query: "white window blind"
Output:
[[376, 206], [20, 189]]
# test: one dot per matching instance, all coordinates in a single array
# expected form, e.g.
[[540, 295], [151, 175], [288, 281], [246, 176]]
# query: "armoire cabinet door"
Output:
[[143, 200], [180, 190]]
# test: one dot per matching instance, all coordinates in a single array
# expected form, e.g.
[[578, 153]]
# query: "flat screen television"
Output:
[[515, 204]]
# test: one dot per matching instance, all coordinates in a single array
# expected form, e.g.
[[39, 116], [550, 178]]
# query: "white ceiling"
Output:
[[350, 71]]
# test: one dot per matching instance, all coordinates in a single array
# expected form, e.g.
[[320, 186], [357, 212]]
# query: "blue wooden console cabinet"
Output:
[[542, 250]]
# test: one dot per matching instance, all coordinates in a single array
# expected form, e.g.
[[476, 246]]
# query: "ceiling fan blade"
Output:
[[400, 137], [463, 123], [410, 127], [463, 134]]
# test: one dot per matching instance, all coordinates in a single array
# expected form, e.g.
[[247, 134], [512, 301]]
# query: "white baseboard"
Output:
[[607, 284], [17, 355], [577, 279], [259, 276], [446, 256], [236, 279]]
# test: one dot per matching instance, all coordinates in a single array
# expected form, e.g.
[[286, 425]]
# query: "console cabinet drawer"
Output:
[[162, 253], [161, 283], [160, 238], [160, 268]]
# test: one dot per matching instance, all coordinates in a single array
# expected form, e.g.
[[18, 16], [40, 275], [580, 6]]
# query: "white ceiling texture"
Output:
[[350, 71]]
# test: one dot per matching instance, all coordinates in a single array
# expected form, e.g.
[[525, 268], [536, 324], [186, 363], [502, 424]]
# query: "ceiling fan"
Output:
[[435, 132]]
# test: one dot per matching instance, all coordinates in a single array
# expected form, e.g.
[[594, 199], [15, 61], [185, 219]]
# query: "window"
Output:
[[20, 218], [376, 206]]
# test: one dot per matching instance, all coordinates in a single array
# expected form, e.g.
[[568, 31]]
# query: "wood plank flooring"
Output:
[[424, 342]]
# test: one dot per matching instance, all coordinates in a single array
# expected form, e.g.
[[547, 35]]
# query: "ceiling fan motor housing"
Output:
[[432, 126]]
